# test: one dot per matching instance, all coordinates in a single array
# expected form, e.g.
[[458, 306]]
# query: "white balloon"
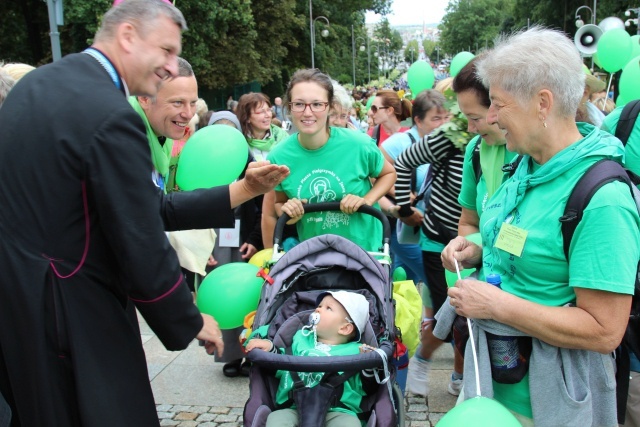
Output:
[[611, 23]]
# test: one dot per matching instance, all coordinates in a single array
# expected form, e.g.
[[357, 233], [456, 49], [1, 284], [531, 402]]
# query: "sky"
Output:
[[412, 12]]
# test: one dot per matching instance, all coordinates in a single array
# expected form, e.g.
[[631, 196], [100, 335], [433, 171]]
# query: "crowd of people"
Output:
[[85, 228]]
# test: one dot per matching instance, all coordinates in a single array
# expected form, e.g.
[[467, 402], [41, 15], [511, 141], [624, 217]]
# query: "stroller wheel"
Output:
[[398, 400]]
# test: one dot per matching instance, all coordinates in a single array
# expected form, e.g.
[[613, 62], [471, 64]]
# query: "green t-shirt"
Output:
[[632, 148], [304, 345], [342, 166], [604, 250], [474, 195]]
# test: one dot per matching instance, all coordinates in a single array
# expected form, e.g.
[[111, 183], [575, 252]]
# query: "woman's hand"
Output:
[[467, 253], [295, 210], [475, 299], [261, 344], [350, 203]]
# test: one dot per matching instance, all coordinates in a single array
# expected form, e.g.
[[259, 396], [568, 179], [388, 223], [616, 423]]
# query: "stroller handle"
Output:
[[356, 362], [333, 206]]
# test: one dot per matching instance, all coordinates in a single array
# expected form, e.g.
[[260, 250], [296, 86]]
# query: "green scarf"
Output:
[[160, 154], [276, 135], [514, 189], [492, 157]]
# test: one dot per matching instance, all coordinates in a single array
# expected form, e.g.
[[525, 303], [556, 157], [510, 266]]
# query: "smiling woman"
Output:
[[254, 114], [329, 164], [565, 308]]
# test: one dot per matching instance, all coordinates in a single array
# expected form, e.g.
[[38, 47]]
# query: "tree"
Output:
[[388, 45], [228, 41], [411, 52], [429, 47], [470, 25]]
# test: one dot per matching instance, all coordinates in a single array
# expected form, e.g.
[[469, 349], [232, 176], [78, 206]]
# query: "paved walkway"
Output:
[[190, 389]]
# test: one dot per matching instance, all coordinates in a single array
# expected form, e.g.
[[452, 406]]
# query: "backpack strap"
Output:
[[510, 168], [376, 134], [601, 173], [627, 120], [475, 161]]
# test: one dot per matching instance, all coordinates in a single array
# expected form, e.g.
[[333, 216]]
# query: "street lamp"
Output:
[[353, 54], [578, 18], [628, 22], [312, 30], [378, 56]]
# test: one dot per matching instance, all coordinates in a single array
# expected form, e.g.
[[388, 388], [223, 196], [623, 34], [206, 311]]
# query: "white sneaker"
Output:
[[418, 376], [454, 386]]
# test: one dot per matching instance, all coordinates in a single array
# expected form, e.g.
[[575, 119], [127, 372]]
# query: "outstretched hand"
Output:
[[262, 177]]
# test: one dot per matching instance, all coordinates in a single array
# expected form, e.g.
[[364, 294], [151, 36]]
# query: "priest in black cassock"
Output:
[[82, 229]]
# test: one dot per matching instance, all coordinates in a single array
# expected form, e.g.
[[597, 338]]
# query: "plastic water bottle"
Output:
[[503, 350], [495, 280]]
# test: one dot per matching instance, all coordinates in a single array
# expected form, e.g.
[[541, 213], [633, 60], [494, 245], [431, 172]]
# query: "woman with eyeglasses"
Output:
[[386, 112], [254, 113], [329, 164], [341, 107]]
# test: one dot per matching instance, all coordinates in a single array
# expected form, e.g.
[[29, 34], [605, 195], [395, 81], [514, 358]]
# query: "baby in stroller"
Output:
[[335, 329]]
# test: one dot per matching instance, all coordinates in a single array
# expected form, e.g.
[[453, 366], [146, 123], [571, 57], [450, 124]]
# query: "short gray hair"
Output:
[[184, 68], [6, 84], [539, 58], [341, 96], [140, 13]]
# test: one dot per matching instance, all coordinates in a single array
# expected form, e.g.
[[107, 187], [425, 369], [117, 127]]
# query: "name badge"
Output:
[[511, 239], [230, 237]]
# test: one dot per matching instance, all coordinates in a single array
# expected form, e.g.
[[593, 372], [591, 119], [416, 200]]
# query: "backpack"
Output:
[[601, 173]]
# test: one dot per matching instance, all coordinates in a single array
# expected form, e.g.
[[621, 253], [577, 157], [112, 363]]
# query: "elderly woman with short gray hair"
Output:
[[546, 334]]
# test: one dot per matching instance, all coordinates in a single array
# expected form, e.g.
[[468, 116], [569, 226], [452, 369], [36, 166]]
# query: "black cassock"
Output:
[[82, 235]]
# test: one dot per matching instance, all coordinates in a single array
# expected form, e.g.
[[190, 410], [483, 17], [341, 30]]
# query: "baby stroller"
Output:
[[327, 262]]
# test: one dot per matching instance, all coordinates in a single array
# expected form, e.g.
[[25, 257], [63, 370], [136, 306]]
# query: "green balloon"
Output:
[[630, 81], [213, 156], [614, 49], [596, 59], [229, 293], [459, 61], [399, 275], [635, 46], [420, 77], [479, 412], [451, 276]]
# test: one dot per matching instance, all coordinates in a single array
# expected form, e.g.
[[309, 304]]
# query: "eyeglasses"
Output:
[[265, 112], [316, 107], [338, 116], [375, 109]]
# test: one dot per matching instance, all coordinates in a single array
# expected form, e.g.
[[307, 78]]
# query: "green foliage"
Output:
[[429, 47], [411, 52], [470, 25], [456, 128]]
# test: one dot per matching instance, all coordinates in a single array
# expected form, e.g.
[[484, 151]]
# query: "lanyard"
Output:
[[106, 64]]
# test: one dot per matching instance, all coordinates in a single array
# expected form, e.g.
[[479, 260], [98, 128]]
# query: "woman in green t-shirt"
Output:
[[329, 164], [558, 317]]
